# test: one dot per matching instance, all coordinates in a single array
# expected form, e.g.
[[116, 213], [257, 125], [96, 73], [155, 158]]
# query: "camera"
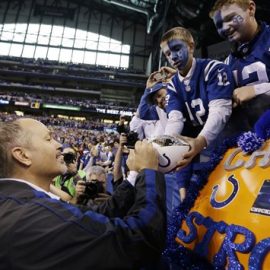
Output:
[[92, 189], [132, 138], [69, 158]]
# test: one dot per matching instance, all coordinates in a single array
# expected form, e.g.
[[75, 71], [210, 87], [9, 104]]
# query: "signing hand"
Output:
[[143, 156]]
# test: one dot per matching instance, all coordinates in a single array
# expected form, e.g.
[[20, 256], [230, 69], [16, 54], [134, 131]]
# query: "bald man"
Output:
[[40, 232]]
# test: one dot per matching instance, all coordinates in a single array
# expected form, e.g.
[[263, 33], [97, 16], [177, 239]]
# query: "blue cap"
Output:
[[157, 87]]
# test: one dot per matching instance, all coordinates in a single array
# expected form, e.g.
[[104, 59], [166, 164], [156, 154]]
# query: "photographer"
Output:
[[67, 181], [93, 190], [121, 126]]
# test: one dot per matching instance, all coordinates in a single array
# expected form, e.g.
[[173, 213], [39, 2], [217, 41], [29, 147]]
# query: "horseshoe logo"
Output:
[[217, 204], [168, 162]]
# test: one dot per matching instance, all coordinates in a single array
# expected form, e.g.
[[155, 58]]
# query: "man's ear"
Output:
[[21, 155]]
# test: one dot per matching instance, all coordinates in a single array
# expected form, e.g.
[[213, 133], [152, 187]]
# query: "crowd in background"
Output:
[[69, 65], [62, 100]]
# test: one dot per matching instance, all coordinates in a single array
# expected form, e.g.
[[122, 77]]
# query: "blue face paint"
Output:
[[227, 25], [238, 20], [178, 53], [220, 25], [218, 21]]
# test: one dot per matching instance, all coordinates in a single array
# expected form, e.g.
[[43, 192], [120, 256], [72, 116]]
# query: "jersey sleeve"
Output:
[[173, 100], [145, 110], [219, 79]]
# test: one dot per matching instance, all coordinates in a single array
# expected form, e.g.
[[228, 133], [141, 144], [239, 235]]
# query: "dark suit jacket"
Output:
[[38, 232]]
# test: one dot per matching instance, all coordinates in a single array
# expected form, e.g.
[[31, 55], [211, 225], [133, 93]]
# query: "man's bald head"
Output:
[[26, 143]]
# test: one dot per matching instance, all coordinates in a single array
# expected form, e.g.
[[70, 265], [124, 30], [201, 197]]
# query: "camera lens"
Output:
[[92, 188], [69, 158]]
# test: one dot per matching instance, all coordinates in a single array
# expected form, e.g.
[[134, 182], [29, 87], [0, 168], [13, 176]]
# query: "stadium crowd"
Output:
[[62, 100]]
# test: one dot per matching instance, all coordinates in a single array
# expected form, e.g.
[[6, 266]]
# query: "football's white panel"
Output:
[[169, 155]]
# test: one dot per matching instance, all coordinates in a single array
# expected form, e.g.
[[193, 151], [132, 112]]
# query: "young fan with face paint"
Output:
[[249, 59], [199, 94]]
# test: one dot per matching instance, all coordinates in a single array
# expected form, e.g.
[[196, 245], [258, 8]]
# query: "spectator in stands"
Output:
[[109, 158], [249, 60], [151, 118], [121, 126], [43, 233], [199, 98], [87, 156], [120, 169], [199, 94], [98, 176], [94, 189], [119, 172], [67, 181]]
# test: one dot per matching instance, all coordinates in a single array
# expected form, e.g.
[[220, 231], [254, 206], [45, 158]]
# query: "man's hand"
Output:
[[243, 94], [197, 145], [144, 156]]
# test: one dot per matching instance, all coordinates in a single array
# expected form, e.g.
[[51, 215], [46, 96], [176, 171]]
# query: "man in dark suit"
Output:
[[38, 231]]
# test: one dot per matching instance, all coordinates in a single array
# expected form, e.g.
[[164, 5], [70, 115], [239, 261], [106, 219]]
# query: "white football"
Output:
[[171, 150]]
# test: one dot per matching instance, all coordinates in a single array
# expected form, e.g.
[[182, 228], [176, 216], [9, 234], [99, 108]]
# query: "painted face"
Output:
[[177, 53], [160, 98], [232, 23]]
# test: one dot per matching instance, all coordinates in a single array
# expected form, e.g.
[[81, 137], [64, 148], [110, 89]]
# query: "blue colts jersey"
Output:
[[210, 80], [253, 68]]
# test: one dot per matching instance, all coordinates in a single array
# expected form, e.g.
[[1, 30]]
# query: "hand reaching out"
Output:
[[243, 94], [197, 145], [144, 156]]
